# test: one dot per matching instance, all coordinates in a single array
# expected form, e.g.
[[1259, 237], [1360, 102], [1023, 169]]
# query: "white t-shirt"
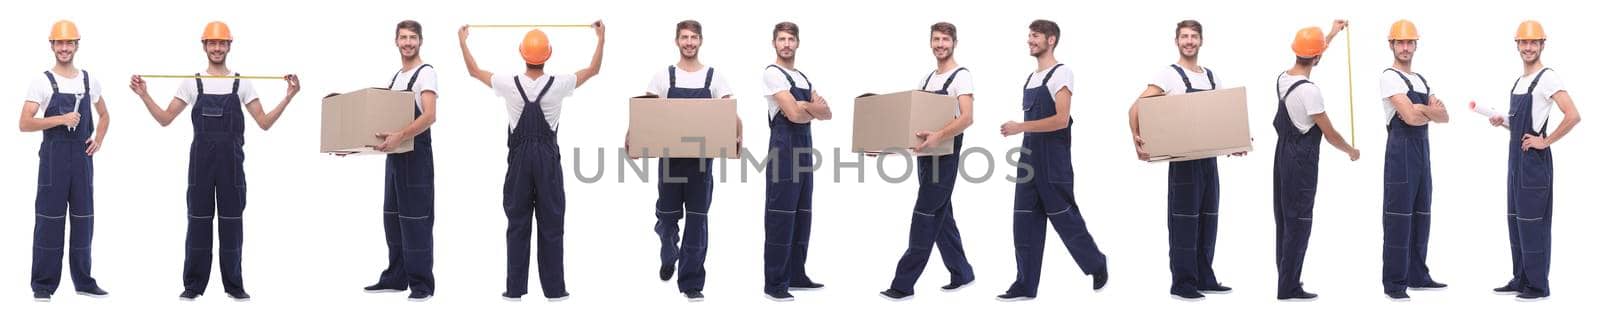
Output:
[[1171, 83], [427, 81], [777, 83], [39, 90], [1304, 102], [961, 86], [690, 80], [1543, 99], [1061, 79], [505, 86], [1390, 84], [216, 86]]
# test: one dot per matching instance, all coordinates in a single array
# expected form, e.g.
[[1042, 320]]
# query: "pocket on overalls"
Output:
[[46, 165], [1535, 170], [1181, 173]]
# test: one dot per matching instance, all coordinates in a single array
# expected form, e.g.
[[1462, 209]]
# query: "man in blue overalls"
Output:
[[792, 103], [408, 177], [1193, 188], [933, 219], [1044, 172], [534, 188], [1407, 169], [685, 184], [1301, 123], [66, 165], [1530, 170], [216, 159]]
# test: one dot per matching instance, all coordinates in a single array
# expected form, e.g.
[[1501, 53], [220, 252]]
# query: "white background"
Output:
[[313, 236]]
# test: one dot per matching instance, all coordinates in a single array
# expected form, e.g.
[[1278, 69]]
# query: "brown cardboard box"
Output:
[[884, 123], [351, 121], [1195, 125], [657, 127]]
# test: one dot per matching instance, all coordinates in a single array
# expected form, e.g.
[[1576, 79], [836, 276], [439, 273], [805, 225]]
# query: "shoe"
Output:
[[41, 297], [694, 296], [666, 272], [780, 296], [419, 296], [1302, 296], [188, 295], [1100, 279], [1509, 289], [1429, 286], [380, 288], [1216, 289], [1009, 297], [97, 293], [952, 287], [1188, 296], [1530, 297], [511, 298], [239, 296], [1398, 296], [813, 286], [558, 298], [895, 295]]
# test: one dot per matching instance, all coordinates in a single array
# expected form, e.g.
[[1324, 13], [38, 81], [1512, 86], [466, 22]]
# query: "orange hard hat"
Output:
[[1308, 42], [1530, 30], [216, 30], [1403, 30], [535, 47], [64, 30]]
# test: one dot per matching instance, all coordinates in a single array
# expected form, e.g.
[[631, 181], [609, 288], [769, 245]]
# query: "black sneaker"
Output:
[[1010, 297], [509, 297], [1398, 296], [1429, 286], [813, 286], [1216, 289], [380, 288], [780, 296], [1100, 279], [1301, 296], [1530, 297], [419, 296], [97, 293], [188, 295], [694, 296], [895, 295], [558, 298], [952, 287], [239, 296], [41, 297], [1509, 289], [1188, 296], [666, 272]]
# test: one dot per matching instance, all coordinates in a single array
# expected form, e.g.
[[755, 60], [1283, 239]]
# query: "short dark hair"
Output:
[[1303, 61], [690, 25], [536, 67], [944, 28], [1048, 29], [1191, 25], [788, 27], [412, 25]]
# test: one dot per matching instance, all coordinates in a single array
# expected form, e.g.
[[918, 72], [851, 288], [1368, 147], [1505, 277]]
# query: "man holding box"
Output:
[[1301, 124], [1192, 185], [933, 217], [792, 103], [1410, 105], [408, 177], [689, 200], [533, 187], [70, 99], [1044, 172], [216, 159]]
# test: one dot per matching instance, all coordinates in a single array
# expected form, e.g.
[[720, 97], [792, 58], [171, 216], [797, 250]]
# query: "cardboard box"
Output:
[[350, 121], [884, 123], [1195, 125], [658, 127]]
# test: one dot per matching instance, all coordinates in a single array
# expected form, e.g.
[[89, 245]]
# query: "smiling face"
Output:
[[408, 42], [689, 44], [943, 45], [217, 51], [1189, 42], [1530, 50], [64, 50], [1039, 44]]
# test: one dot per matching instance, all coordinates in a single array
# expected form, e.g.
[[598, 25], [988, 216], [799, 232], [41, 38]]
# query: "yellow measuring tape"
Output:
[[524, 26], [1349, 73], [209, 77]]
